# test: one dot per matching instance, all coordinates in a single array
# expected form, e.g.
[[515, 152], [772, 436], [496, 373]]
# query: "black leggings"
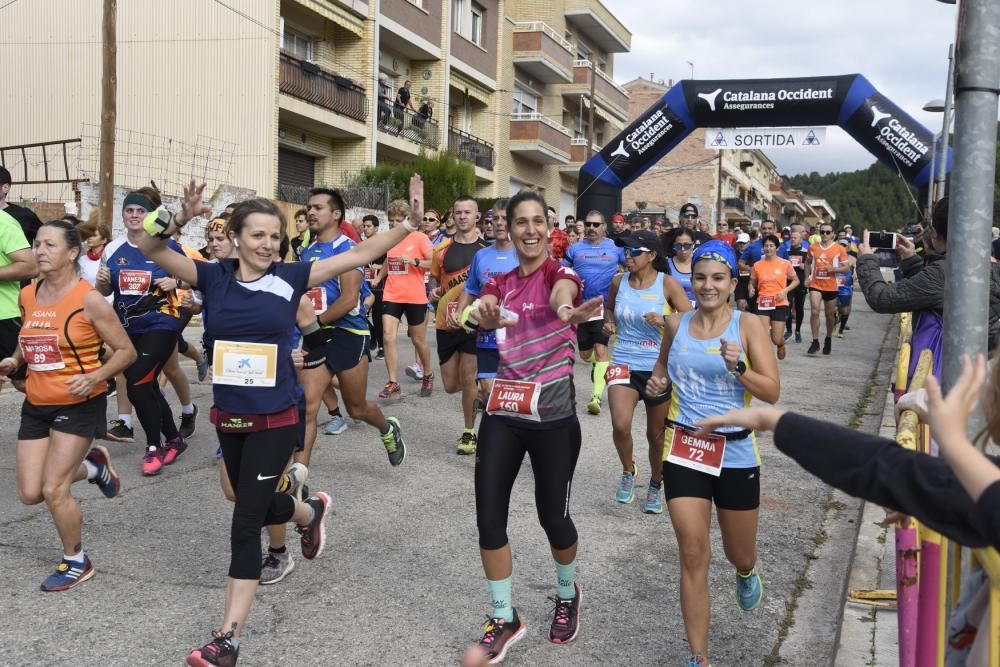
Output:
[[797, 299], [153, 349], [254, 463], [376, 323], [553, 453]]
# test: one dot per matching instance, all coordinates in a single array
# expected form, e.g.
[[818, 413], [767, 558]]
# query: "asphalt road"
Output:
[[400, 582]]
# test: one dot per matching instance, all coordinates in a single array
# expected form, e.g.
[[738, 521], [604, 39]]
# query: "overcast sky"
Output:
[[901, 46]]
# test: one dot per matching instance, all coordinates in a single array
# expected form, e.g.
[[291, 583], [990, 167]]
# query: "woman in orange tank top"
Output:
[[65, 323], [772, 279]]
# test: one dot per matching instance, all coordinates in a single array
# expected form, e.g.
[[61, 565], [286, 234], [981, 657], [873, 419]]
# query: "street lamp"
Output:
[[934, 106], [691, 63], [939, 162]]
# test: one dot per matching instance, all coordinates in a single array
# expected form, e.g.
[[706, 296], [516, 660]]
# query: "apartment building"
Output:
[[735, 185], [288, 94]]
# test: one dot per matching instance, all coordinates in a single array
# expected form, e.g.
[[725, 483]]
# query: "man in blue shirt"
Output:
[[795, 250], [596, 259], [339, 310]]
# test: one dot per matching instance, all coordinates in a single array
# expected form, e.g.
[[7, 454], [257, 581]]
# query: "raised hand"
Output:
[[584, 312], [416, 200], [948, 416], [192, 204]]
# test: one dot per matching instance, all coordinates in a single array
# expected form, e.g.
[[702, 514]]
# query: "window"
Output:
[[582, 51], [458, 14], [476, 25], [524, 100], [418, 3], [297, 44]]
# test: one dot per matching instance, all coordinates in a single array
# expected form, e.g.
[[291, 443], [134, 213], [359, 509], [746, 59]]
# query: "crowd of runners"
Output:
[[689, 321]]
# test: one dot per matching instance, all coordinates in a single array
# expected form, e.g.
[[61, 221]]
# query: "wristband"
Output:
[[565, 305], [409, 226], [157, 222]]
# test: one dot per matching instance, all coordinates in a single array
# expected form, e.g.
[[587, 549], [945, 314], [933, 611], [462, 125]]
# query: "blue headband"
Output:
[[719, 251], [136, 199]]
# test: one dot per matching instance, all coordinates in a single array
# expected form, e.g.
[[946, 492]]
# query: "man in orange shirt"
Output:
[[825, 260]]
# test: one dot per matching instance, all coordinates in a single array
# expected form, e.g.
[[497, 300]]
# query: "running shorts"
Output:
[[415, 313], [590, 334], [344, 350], [778, 314], [487, 362], [734, 489], [637, 382], [844, 299], [450, 342], [827, 296], [85, 419]]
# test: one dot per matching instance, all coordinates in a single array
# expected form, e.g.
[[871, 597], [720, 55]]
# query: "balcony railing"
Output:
[[737, 205], [310, 82], [471, 148], [541, 26], [401, 122], [604, 85]]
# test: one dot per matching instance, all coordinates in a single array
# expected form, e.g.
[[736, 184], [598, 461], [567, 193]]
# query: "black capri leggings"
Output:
[[376, 323], [254, 463], [797, 299], [553, 452], [153, 349]]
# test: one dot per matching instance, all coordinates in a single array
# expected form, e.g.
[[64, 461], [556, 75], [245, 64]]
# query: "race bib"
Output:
[[318, 297], [796, 260], [514, 398], [698, 452], [822, 274], [841, 280], [744, 274], [397, 267], [42, 352], [617, 374], [245, 364], [450, 311], [369, 274], [766, 302], [133, 282]]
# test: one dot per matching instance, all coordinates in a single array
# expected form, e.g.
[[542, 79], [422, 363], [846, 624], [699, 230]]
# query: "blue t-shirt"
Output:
[[487, 263], [752, 253], [140, 305], [595, 264], [355, 320], [261, 311]]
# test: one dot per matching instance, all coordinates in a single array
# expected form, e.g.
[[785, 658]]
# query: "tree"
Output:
[[445, 179]]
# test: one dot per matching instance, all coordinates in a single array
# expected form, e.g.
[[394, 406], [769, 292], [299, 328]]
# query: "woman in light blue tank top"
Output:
[[715, 360], [638, 302], [680, 261]]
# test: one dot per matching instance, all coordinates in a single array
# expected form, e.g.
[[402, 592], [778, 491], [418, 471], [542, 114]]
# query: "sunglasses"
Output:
[[683, 246], [690, 216], [593, 224], [826, 231], [430, 219], [635, 252]]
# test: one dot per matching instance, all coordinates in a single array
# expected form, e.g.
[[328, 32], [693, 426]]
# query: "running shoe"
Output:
[[380, 354], [173, 449], [798, 336], [68, 574], [788, 334], [626, 486], [697, 660], [107, 479], [813, 347], [390, 390], [152, 461], [393, 441], [827, 345], [566, 618], [478, 405], [594, 407], [749, 590], [467, 443], [781, 352], [314, 533], [839, 334], [202, 369], [188, 423], [112, 388], [335, 426], [275, 567], [295, 478], [120, 432], [220, 652], [499, 635], [653, 504], [415, 371], [427, 385]]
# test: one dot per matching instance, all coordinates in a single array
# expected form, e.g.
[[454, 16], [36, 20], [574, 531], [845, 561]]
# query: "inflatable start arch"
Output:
[[849, 101]]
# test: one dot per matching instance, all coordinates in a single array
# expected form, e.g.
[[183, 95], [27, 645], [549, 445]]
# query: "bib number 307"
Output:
[[698, 452]]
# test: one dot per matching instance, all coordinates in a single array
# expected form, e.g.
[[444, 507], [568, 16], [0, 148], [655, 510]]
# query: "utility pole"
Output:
[[109, 113], [590, 130]]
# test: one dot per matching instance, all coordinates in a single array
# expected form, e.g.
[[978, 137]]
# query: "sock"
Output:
[[470, 430], [235, 642], [279, 550], [655, 485], [335, 412], [600, 368], [75, 558], [843, 322], [127, 419], [500, 591], [91, 469], [566, 581], [745, 574], [187, 409], [590, 357]]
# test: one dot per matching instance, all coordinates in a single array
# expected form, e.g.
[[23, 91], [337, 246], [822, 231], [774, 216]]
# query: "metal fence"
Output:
[[471, 148]]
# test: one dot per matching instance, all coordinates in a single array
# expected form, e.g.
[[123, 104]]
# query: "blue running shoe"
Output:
[[749, 590], [697, 660], [335, 426], [68, 574], [626, 486], [653, 505], [107, 479]]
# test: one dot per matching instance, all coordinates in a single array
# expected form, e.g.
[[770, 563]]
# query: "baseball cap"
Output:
[[743, 238], [489, 215], [643, 238], [618, 217], [689, 209]]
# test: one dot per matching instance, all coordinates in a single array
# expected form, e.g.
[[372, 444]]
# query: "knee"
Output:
[[30, 495], [620, 428], [356, 409], [54, 491], [695, 555], [492, 535], [560, 530]]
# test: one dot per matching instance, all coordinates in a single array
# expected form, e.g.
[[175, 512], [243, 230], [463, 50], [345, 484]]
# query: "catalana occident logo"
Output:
[[903, 142], [755, 99]]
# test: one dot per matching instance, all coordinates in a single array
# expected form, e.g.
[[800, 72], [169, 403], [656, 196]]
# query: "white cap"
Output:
[[743, 238]]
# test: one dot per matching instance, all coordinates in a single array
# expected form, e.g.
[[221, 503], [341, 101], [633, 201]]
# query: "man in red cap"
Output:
[[617, 224]]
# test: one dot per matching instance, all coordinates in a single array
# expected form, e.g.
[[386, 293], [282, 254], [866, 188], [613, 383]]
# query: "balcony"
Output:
[[542, 53], [593, 20], [539, 139], [403, 123], [578, 150], [309, 82], [609, 94], [471, 149], [736, 209]]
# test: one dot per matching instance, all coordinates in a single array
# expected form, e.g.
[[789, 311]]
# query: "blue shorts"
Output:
[[844, 298], [487, 362], [345, 350]]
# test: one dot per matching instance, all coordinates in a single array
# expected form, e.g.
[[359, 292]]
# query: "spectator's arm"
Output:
[[923, 291], [22, 266], [911, 266]]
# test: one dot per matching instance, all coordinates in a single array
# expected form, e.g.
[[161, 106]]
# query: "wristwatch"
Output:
[[740, 369]]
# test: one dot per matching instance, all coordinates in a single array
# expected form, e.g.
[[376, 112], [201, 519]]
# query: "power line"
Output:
[[7, 4]]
